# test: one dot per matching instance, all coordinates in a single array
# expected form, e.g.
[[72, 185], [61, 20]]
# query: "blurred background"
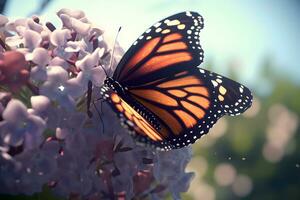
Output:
[[256, 155]]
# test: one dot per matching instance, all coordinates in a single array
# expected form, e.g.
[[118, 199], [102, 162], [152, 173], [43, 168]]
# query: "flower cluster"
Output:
[[46, 137]]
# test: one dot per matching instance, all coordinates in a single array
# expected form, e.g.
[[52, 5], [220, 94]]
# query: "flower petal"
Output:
[[96, 31], [80, 27], [89, 61], [59, 37], [32, 39], [66, 21], [67, 102], [40, 56], [34, 26], [40, 103], [101, 52], [33, 136], [14, 41], [11, 26], [57, 74], [77, 86], [15, 111], [72, 13], [38, 73], [98, 76], [61, 133], [13, 138], [36, 124], [57, 61], [75, 46]]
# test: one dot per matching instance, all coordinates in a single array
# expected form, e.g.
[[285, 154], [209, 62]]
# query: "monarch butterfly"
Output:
[[159, 92]]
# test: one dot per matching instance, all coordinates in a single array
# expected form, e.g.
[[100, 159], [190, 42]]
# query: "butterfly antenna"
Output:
[[104, 70], [113, 51]]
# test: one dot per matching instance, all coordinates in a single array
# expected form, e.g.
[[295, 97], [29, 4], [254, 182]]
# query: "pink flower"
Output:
[[13, 70]]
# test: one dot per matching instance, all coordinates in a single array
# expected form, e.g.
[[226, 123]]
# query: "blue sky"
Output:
[[243, 32]]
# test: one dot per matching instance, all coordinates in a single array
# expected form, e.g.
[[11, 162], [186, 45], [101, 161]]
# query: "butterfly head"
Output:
[[114, 85]]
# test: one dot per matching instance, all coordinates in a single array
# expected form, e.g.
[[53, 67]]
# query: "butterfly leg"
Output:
[[99, 112], [89, 98]]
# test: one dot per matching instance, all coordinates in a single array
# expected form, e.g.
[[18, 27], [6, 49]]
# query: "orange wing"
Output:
[[168, 47], [160, 74], [138, 123], [186, 105], [136, 68], [180, 103]]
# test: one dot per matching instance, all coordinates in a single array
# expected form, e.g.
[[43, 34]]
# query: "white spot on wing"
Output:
[[214, 83], [158, 30], [188, 13], [241, 90], [166, 31], [157, 25], [173, 22], [181, 26]]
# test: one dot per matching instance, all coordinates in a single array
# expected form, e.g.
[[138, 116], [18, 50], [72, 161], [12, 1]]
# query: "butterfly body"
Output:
[[161, 94]]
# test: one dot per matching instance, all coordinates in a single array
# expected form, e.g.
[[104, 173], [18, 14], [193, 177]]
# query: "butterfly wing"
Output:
[[169, 46], [159, 74], [140, 127], [186, 105], [189, 104]]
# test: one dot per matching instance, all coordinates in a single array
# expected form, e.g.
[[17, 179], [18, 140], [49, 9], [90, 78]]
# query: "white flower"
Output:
[[40, 104], [53, 142], [56, 87], [75, 24], [14, 41], [12, 25], [57, 61], [60, 37], [41, 58], [34, 26], [31, 39], [90, 69], [21, 126], [77, 14], [76, 46]]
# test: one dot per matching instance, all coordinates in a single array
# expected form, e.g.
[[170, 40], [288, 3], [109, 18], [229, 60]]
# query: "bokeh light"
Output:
[[242, 185], [280, 131], [203, 191], [225, 174]]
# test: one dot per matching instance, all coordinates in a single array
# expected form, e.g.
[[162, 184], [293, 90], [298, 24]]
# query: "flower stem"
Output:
[[33, 88]]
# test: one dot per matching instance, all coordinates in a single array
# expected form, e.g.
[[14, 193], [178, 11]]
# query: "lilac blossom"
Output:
[[41, 58], [56, 87], [90, 68], [59, 39], [19, 126], [46, 137]]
